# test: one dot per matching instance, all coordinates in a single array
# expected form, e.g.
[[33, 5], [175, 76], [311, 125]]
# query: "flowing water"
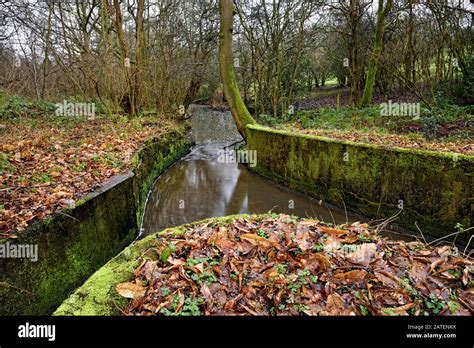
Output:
[[201, 186]]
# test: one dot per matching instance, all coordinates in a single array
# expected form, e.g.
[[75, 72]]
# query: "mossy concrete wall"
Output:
[[98, 295], [73, 244], [435, 189]]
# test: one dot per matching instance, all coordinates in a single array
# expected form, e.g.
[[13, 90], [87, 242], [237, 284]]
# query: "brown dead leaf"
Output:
[[435, 264], [363, 255], [259, 281], [332, 231], [465, 276], [130, 290], [388, 279], [355, 276], [260, 241], [418, 272], [335, 306]]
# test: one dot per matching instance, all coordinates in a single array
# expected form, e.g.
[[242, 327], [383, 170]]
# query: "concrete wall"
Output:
[[436, 189], [98, 295], [74, 244]]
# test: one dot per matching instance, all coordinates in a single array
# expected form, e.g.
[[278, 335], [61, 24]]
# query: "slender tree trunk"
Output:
[[139, 50], [46, 54], [410, 73], [376, 53], [192, 90], [237, 106], [129, 104], [355, 47]]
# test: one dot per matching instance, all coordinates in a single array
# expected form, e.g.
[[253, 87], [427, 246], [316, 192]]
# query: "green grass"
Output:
[[326, 92], [5, 166], [343, 118], [14, 107], [331, 82], [369, 119]]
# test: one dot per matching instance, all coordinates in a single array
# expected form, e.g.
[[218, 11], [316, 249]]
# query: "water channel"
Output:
[[201, 185]]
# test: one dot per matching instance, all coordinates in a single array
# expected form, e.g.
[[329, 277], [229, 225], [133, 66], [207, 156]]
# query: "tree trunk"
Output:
[[193, 90], [46, 54], [237, 106], [376, 53], [128, 102], [139, 51]]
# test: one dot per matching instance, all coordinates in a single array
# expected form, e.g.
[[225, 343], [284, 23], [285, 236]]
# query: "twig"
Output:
[[469, 242], [17, 288], [72, 217], [120, 309], [416, 224], [28, 187], [312, 209], [271, 210], [386, 222], [231, 145], [449, 235], [345, 210], [334, 221]]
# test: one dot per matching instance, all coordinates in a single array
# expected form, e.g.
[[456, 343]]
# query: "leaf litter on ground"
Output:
[[465, 146], [48, 164], [282, 265]]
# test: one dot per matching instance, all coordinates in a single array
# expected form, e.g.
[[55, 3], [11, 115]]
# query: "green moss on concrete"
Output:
[[445, 155], [73, 245], [98, 295], [154, 160], [436, 188]]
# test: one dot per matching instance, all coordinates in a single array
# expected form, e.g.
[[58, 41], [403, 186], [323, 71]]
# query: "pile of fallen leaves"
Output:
[[50, 163], [465, 147], [282, 265]]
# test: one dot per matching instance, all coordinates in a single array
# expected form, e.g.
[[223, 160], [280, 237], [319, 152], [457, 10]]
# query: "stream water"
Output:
[[201, 186]]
